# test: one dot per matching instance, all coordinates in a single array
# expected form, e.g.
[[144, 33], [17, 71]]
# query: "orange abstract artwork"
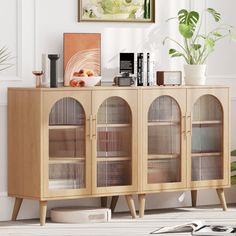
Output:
[[82, 56]]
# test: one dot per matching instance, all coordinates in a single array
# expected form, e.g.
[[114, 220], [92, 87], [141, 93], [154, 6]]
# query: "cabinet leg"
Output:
[[104, 202], [194, 198], [16, 209], [114, 201], [43, 212], [130, 202], [221, 195], [141, 199]]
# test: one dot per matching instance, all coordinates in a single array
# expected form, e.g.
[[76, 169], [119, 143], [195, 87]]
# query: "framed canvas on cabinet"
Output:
[[82, 56], [117, 10]]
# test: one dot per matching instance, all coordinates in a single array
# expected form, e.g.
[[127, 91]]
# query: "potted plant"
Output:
[[5, 57], [197, 45]]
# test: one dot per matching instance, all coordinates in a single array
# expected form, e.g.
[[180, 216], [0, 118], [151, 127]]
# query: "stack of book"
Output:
[[144, 67]]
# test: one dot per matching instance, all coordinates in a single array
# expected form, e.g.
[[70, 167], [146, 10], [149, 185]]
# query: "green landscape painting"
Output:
[[117, 10]]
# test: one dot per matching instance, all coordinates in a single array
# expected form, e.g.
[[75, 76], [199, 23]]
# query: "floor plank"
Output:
[[122, 224]]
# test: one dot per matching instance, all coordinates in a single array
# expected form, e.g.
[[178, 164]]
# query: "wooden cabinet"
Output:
[[185, 136], [70, 143]]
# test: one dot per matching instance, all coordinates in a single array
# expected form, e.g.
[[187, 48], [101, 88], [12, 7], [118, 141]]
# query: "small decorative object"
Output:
[[169, 77], [117, 10], [197, 45], [82, 59], [125, 79], [53, 69], [5, 57], [38, 76]]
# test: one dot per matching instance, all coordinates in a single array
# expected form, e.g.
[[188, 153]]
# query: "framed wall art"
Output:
[[117, 10], [82, 55]]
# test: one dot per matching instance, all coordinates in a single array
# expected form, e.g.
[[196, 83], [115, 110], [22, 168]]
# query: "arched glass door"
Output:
[[207, 139], [114, 143], [164, 141], [67, 145]]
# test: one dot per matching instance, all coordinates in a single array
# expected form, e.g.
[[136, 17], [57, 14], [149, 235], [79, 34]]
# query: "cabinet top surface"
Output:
[[97, 88]]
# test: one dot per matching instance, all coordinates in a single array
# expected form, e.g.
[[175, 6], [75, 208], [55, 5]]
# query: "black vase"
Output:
[[53, 69]]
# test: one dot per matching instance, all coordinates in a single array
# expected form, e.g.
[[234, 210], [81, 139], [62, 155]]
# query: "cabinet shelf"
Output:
[[157, 123], [55, 160], [163, 156], [207, 122], [206, 154], [52, 127], [113, 159], [112, 125]]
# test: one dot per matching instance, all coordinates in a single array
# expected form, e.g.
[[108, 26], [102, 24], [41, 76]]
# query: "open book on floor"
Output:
[[186, 227], [198, 227], [215, 230]]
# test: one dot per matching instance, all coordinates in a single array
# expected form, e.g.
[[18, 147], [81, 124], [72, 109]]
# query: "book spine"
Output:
[[148, 70], [140, 69]]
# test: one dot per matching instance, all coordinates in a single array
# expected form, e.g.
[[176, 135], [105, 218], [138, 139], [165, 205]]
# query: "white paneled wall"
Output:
[[32, 27]]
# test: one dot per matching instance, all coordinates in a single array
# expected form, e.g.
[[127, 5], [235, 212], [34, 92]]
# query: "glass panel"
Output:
[[164, 141], [207, 139], [114, 173], [164, 171], [114, 110], [67, 111], [67, 142], [207, 168], [67, 145], [114, 143], [67, 176]]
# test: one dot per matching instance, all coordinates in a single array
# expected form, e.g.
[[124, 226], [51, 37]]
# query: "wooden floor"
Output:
[[122, 224]]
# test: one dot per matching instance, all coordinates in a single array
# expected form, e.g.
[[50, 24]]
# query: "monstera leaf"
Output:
[[187, 22], [214, 13]]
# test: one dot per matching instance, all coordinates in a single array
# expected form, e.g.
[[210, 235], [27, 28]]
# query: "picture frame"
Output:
[[140, 11], [82, 54]]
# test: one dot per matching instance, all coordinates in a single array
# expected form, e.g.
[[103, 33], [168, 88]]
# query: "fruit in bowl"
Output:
[[84, 77]]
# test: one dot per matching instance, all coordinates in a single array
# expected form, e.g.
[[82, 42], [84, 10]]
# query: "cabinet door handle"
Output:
[[191, 123], [94, 121], [91, 127], [185, 124]]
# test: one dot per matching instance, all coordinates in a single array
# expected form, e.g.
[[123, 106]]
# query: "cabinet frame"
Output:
[[131, 97], [222, 95], [149, 96], [49, 100]]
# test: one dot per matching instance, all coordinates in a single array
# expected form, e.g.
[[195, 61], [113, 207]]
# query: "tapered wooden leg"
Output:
[[141, 198], [43, 212], [130, 202], [16, 209], [113, 203], [221, 195], [194, 198], [104, 202]]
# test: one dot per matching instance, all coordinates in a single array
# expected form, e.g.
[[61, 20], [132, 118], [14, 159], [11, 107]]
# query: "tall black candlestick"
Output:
[[53, 69]]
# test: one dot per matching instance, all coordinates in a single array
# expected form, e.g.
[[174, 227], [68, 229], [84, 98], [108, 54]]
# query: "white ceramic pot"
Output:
[[195, 74]]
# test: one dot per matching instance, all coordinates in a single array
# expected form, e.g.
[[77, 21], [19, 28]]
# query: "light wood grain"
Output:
[[221, 195], [141, 198], [43, 212], [16, 209], [130, 203]]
